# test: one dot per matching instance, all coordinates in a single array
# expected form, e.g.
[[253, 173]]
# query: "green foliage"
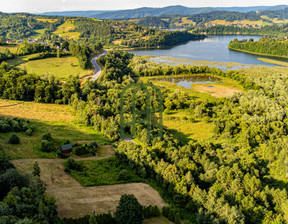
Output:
[[47, 146], [85, 150], [36, 169], [14, 139], [72, 164], [124, 175], [269, 46], [129, 210], [104, 172], [16, 125]]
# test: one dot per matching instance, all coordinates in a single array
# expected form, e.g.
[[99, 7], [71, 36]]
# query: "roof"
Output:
[[66, 147]]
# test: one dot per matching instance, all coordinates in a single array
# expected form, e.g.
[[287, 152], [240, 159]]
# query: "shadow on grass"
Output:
[[29, 147]]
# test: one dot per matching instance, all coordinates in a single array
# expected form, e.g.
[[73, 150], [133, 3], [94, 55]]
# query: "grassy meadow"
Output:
[[66, 30], [55, 119], [61, 68]]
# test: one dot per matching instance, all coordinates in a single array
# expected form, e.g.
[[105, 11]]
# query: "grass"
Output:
[[272, 61], [12, 48], [56, 119], [103, 172], [61, 68], [38, 34], [84, 200], [179, 124], [66, 30], [21, 59]]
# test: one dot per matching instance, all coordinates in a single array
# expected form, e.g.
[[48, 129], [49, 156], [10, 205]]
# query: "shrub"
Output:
[[47, 137], [72, 164], [14, 139], [124, 175], [29, 132], [81, 150], [47, 146]]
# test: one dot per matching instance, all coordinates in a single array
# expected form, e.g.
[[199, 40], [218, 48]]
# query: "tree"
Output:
[[14, 139], [129, 210], [36, 169]]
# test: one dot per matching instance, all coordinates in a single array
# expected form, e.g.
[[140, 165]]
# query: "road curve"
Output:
[[97, 71]]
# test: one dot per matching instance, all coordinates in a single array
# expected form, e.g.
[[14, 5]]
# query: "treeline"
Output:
[[22, 198], [233, 29], [153, 21], [143, 67], [6, 55], [268, 46], [224, 15], [18, 85], [162, 39]]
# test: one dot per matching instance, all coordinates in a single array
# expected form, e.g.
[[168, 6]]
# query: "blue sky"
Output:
[[69, 5]]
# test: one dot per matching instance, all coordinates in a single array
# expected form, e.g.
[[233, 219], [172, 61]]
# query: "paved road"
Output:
[[97, 71]]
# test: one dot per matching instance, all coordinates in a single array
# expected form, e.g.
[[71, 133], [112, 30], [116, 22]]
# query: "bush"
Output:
[[47, 146], [124, 175], [81, 150], [14, 139], [72, 164], [29, 132], [47, 137]]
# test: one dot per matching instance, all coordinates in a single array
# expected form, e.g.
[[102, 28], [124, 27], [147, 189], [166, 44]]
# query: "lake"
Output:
[[213, 48], [186, 81]]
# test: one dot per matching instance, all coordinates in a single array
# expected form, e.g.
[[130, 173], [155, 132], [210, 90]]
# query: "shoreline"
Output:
[[258, 54]]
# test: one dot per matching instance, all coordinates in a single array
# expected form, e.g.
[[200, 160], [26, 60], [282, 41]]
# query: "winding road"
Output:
[[97, 71]]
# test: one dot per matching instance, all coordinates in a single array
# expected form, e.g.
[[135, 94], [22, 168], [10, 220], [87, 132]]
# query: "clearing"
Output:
[[217, 90], [61, 68], [74, 200], [66, 30]]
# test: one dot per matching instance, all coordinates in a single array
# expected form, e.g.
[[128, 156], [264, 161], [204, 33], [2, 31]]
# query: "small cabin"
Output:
[[67, 148]]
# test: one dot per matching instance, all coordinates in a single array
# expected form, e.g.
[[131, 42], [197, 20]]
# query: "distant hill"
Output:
[[170, 10], [74, 13], [177, 10]]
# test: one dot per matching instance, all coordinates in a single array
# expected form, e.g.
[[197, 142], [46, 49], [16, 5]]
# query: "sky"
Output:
[[35, 6]]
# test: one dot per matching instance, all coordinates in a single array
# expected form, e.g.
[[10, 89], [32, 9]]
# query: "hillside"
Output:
[[176, 10]]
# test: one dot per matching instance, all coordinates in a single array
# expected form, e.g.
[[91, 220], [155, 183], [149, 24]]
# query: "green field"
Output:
[[64, 30], [104, 172], [38, 34], [61, 68]]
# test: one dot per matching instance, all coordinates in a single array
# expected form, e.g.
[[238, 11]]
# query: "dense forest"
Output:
[[153, 21], [267, 46], [22, 198], [20, 26], [272, 30], [223, 15]]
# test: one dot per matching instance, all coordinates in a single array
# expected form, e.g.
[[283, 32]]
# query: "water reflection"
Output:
[[186, 81]]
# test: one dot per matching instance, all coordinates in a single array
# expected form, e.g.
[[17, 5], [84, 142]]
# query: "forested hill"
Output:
[[177, 10], [267, 46], [224, 15]]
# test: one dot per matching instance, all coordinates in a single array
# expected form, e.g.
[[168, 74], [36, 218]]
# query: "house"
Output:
[[8, 41], [67, 148]]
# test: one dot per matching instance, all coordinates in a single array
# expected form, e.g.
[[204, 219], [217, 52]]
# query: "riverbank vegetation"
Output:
[[265, 46]]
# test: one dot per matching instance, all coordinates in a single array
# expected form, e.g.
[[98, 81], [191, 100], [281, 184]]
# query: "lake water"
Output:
[[186, 81], [213, 48]]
